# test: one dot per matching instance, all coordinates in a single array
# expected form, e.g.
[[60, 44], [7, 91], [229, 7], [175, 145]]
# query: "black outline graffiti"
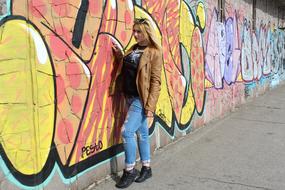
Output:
[[53, 157], [79, 23]]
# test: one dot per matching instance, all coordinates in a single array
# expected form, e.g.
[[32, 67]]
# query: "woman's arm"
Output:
[[119, 55]]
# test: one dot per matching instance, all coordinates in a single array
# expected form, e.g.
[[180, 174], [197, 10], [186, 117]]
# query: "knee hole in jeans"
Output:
[[142, 137]]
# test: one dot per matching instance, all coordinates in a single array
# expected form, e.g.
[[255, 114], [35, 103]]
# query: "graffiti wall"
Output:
[[56, 66]]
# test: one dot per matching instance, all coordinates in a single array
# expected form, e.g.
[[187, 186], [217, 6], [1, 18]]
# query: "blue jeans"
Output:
[[135, 123]]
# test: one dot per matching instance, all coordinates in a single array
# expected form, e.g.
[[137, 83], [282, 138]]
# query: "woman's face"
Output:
[[138, 34]]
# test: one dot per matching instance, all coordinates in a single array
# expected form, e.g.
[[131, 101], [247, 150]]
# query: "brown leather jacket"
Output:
[[148, 77]]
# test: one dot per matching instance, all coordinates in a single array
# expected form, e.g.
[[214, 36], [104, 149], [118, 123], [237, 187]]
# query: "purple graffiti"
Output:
[[232, 66], [221, 33], [229, 47]]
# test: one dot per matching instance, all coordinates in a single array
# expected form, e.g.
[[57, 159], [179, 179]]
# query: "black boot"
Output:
[[127, 178], [144, 174]]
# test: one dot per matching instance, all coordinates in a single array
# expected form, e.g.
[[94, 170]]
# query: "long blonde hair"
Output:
[[148, 32]]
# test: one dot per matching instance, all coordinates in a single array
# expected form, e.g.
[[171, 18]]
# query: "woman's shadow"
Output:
[[119, 111]]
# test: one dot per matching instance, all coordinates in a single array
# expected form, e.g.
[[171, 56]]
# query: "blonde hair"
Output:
[[148, 32]]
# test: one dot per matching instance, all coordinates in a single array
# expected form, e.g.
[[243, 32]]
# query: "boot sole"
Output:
[[144, 179]]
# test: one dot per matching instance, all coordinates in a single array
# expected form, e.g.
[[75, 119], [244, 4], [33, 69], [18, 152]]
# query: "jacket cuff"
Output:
[[150, 109]]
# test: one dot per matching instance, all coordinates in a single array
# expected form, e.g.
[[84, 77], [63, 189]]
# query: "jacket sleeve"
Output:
[[155, 81], [119, 57], [117, 83]]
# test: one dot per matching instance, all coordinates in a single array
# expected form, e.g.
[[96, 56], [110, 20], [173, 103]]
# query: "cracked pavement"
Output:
[[243, 151]]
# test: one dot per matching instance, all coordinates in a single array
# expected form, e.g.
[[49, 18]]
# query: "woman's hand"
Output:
[[149, 117], [148, 113], [118, 52], [149, 121]]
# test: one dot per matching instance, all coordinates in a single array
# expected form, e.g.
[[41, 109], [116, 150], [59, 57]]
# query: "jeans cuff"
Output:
[[130, 165], [145, 161]]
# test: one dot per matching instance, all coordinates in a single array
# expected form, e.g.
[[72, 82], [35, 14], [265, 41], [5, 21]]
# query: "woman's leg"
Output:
[[129, 128], [144, 148], [144, 145]]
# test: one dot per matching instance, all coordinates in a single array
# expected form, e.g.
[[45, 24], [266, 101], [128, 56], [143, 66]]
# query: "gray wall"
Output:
[[2, 7]]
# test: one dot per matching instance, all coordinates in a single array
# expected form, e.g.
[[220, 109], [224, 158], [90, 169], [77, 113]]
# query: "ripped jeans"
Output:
[[135, 123]]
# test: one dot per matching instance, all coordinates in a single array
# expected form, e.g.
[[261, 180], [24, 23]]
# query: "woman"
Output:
[[140, 73]]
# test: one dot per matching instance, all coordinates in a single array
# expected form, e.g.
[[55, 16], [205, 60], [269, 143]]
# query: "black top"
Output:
[[129, 71]]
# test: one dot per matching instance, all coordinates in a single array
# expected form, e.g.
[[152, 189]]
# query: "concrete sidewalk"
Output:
[[244, 151]]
